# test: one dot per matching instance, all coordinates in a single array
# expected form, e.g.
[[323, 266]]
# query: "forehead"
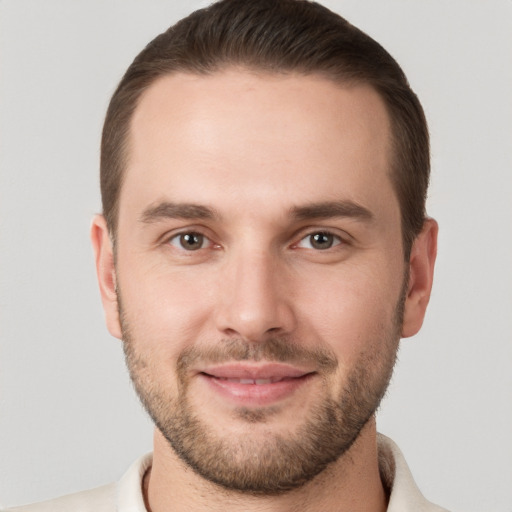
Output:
[[256, 136]]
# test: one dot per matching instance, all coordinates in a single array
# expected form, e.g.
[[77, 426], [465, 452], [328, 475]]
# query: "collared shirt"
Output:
[[126, 495]]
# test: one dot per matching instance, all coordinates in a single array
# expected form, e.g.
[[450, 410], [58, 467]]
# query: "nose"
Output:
[[255, 299]]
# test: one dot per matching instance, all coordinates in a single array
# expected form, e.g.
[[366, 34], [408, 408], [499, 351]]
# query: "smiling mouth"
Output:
[[254, 386], [257, 382]]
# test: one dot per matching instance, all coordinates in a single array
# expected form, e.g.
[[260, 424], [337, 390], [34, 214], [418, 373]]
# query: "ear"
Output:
[[421, 274], [106, 272]]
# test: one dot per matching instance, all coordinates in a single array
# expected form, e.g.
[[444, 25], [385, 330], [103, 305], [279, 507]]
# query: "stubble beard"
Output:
[[272, 464]]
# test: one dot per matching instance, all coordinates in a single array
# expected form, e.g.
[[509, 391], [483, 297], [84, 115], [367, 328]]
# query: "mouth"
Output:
[[257, 382], [255, 385]]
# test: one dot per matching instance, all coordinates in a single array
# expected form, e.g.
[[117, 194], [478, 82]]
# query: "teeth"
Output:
[[263, 381], [258, 382]]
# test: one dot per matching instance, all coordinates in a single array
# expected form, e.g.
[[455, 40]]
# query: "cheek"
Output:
[[167, 310], [350, 310]]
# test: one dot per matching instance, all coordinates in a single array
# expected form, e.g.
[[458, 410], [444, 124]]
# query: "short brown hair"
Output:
[[276, 36]]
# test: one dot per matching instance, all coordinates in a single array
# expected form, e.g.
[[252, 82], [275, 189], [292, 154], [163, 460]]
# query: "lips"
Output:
[[255, 371], [254, 384], [258, 382]]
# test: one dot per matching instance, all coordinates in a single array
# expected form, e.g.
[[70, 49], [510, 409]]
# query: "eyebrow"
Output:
[[169, 210], [322, 210], [331, 209]]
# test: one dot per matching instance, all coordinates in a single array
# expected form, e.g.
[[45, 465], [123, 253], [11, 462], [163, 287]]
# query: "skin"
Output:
[[252, 148]]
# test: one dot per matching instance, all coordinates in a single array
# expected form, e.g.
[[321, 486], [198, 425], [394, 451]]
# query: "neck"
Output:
[[351, 483]]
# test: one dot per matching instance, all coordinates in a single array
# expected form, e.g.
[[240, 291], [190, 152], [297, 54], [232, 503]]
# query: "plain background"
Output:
[[68, 417]]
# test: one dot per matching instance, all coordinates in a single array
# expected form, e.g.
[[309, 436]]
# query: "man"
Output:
[[262, 249]]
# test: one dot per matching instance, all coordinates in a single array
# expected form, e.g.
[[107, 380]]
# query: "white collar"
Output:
[[396, 476]]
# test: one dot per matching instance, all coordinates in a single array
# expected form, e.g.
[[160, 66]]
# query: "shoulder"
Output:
[[123, 496], [101, 499]]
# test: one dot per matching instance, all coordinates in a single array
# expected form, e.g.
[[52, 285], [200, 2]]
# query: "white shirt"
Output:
[[126, 495]]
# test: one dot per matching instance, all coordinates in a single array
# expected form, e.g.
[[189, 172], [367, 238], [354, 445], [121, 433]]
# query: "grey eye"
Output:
[[319, 241]]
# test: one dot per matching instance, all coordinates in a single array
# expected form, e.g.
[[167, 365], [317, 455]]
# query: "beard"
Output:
[[273, 463]]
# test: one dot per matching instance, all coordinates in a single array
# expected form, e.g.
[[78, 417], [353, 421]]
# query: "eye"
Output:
[[191, 241], [319, 241]]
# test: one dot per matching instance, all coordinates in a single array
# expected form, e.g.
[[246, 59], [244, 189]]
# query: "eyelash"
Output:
[[179, 238], [335, 240]]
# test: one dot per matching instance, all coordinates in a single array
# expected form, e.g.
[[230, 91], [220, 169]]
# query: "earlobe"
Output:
[[421, 274], [106, 273]]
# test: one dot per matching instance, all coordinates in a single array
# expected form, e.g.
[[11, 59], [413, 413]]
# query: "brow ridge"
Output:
[[319, 210], [170, 210], [330, 209]]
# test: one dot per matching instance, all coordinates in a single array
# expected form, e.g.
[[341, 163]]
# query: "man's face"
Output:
[[259, 270]]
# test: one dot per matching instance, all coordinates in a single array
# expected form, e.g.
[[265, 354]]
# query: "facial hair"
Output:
[[279, 463]]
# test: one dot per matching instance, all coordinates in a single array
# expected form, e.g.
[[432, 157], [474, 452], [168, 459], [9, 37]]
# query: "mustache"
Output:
[[272, 350]]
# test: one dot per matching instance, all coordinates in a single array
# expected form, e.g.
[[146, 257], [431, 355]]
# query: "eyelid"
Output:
[[175, 241], [343, 237], [306, 239], [166, 238]]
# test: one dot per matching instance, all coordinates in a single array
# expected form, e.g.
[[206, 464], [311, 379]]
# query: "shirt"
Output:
[[126, 495]]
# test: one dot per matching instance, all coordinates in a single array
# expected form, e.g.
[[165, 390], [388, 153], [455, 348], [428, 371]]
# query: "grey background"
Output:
[[68, 417]]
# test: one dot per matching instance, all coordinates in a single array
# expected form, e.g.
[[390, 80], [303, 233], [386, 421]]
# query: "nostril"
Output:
[[231, 332]]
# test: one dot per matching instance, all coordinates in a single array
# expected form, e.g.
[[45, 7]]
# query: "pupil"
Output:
[[192, 241], [322, 240]]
